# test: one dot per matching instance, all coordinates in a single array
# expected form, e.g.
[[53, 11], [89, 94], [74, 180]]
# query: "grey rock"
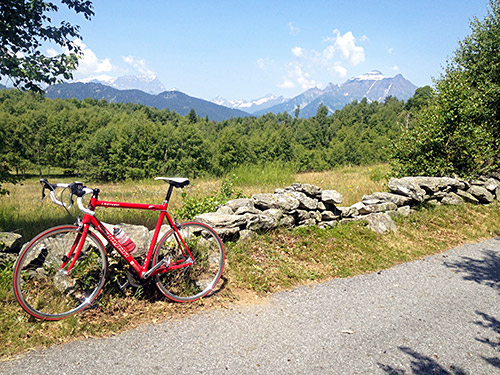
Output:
[[247, 235], [380, 223], [287, 221], [235, 204], [247, 210], [434, 184], [303, 215], [329, 215], [331, 197], [381, 207], [285, 202], [10, 242], [346, 212], [305, 202], [452, 199], [310, 190], [221, 221], [481, 193], [228, 233], [307, 223], [467, 196], [404, 211], [273, 213], [225, 210], [408, 187], [382, 197], [491, 185], [261, 223]]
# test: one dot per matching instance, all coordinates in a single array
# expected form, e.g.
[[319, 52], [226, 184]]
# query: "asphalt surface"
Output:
[[439, 315]]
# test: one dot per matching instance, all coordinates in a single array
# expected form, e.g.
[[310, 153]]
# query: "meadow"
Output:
[[275, 261]]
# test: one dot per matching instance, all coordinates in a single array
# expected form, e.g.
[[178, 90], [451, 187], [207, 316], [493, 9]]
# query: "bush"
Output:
[[198, 205]]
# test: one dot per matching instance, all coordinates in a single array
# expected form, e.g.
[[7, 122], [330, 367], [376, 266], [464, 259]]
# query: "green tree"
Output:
[[24, 25], [458, 133]]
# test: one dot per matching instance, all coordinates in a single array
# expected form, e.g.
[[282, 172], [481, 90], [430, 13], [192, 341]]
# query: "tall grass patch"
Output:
[[266, 176]]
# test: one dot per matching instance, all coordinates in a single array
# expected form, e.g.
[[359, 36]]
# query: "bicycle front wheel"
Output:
[[46, 290], [188, 279]]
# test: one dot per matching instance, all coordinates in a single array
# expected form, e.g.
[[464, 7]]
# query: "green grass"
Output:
[[269, 175], [276, 261]]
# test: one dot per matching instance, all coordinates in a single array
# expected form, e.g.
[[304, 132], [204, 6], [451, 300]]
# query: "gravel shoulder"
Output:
[[439, 315]]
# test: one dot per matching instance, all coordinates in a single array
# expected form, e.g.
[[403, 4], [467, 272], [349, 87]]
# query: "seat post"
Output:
[[169, 193]]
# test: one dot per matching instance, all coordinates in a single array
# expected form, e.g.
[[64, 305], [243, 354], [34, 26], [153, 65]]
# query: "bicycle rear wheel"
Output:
[[44, 289], [190, 282]]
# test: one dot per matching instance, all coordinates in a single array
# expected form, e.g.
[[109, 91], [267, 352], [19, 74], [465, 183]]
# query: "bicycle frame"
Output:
[[142, 270]]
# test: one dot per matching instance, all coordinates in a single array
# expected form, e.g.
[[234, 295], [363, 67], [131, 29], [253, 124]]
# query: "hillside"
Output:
[[173, 100]]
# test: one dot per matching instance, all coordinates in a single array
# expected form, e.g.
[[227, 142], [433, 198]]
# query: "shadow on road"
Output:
[[492, 323], [422, 365], [484, 271]]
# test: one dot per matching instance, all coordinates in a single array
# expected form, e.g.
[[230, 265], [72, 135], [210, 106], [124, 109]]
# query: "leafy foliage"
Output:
[[114, 141], [458, 133], [195, 206], [25, 24]]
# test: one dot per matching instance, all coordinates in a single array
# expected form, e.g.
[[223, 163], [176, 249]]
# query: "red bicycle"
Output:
[[62, 270]]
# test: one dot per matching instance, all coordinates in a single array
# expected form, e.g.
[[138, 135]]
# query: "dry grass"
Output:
[[279, 260]]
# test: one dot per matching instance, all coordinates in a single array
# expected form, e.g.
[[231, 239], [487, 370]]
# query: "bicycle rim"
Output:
[[191, 282], [48, 292]]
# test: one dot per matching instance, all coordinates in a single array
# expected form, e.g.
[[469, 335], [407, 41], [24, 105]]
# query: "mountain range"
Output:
[[147, 83], [373, 86], [251, 106], [173, 99]]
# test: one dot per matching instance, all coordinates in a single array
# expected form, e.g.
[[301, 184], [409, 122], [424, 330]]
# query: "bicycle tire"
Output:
[[195, 281], [43, 289]]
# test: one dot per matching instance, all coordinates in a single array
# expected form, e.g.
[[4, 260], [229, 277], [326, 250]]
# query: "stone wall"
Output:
[[306, 205]]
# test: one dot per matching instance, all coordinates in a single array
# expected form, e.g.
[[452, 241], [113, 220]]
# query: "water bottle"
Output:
[[125, 240]]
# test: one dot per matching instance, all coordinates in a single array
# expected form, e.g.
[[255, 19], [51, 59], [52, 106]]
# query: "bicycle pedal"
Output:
[[122, 287]]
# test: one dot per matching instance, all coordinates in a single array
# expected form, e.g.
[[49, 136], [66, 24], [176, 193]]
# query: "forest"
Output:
[[106, 141]]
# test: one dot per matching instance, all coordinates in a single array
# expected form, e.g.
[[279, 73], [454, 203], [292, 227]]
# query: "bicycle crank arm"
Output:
[[163, 262]]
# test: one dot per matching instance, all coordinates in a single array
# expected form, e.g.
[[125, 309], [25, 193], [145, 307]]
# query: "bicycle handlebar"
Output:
[[77, 188]]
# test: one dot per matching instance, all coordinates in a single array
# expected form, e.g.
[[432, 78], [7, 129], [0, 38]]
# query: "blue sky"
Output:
[[247, 49]]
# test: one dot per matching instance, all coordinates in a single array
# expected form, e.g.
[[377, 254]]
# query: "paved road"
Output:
[[440, 315]]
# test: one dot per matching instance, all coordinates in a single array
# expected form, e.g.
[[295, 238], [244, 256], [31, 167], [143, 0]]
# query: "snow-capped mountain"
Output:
[[251, 106], [147, 83], [373, 86]]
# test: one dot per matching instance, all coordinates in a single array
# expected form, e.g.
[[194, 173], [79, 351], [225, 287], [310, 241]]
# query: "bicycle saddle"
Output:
[[178, 182]]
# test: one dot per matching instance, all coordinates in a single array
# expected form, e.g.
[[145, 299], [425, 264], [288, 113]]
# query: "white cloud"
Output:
[[347, 45], [296, 76], [89, 63], [341, 50], [390, 50], [139, 65], [286, 84], [264, 63], [339, 70], [294, 29], [298, 51], [395, 68], [304, 79]]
